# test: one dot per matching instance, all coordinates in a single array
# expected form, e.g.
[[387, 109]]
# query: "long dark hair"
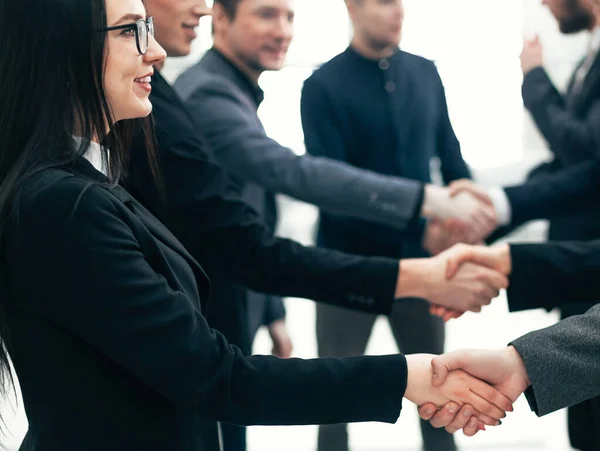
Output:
[[51, 70]]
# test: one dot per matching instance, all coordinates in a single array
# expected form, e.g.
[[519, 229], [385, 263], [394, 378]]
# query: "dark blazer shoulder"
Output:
[[56, 189], [333, 66], [205, 77]]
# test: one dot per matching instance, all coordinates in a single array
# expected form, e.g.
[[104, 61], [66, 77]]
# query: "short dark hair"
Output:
[[230, 6]]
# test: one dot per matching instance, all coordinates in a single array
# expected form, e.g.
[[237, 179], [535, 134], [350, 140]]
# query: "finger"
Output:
[[437, 310], [492, 395], [471, 428], [452, 315], [475, 308], [427, 411], [494, 279], [445, 415], [485, 419], [484, 295], [460, 420], [483, 405], [456, 260]]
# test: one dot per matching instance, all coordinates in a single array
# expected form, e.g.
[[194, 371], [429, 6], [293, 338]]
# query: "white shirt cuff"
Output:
[[501, 205]]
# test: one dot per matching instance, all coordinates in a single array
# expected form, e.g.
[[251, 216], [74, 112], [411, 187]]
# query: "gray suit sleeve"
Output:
[[563, 362], [239, 142]]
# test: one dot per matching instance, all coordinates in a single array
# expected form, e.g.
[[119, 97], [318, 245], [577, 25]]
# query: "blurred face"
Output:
[[127, 73], [175, 21], [378, 22], [572, 16], [259, 35]]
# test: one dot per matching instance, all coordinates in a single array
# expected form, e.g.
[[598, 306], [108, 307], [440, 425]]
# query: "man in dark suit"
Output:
[[205, 210], [379, 108], [570, 123]]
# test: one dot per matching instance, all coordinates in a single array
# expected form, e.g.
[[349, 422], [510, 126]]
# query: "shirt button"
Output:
[[384, 64], [390, 86]]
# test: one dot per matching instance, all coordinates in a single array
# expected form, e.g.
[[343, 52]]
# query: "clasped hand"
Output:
[[459, 394], [504, 370]]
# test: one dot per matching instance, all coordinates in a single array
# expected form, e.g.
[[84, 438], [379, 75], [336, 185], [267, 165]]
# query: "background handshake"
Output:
[[467, 389], [460, 277]]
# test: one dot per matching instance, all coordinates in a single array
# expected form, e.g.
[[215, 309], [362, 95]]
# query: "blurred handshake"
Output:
[[460, 218], [460, 213]]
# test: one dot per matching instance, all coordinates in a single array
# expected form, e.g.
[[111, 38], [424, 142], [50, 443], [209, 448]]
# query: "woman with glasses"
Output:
[[101, 305]]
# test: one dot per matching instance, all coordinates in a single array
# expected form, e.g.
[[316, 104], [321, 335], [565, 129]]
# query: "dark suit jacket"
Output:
[[572, 190], [548, 274], [229, 239], [570, 123], [386, 116], [103, 307], [226, 115], [562, 360]]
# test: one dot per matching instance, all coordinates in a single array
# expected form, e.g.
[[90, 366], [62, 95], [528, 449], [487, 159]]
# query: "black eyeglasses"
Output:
[[143, 28]]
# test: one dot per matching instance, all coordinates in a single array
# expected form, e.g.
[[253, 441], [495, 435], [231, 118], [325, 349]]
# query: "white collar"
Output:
[[93, 155], [595, 40]]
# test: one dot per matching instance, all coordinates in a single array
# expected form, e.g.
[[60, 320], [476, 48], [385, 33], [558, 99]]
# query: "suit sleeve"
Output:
[[572, 140], [547, 275], [226, 235], [85, 270], [453, 166], [241, 145], [325, 137], [571, 190], [562, 362]]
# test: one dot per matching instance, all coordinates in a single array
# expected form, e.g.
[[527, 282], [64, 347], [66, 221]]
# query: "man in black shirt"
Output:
[[379, 108]]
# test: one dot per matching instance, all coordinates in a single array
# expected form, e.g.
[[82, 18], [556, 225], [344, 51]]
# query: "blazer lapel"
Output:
[[580, 100], [156, 228]]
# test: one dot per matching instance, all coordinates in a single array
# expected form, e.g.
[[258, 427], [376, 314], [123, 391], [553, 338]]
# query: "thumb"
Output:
[[459, 186], [479, 255], [440, 370], [455, 261], [441, 365]]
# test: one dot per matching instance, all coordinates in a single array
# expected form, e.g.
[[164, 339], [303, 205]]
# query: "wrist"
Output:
[[516, 363], [432, 195], [411, 281], [418, 373]]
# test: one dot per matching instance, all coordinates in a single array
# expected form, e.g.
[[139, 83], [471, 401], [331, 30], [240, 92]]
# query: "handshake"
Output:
[[466, 389], [461, 279], [461, 213]]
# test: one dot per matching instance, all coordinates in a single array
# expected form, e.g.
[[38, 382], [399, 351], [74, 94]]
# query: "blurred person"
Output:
[[205, 210], [570, 124], [379, 108], [102, 297], [222, 95]]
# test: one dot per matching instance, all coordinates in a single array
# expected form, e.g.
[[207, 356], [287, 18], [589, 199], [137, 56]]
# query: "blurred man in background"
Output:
[[379, 108]]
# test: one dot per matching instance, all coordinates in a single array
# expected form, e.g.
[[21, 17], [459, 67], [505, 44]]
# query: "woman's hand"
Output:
[[489, 405]]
